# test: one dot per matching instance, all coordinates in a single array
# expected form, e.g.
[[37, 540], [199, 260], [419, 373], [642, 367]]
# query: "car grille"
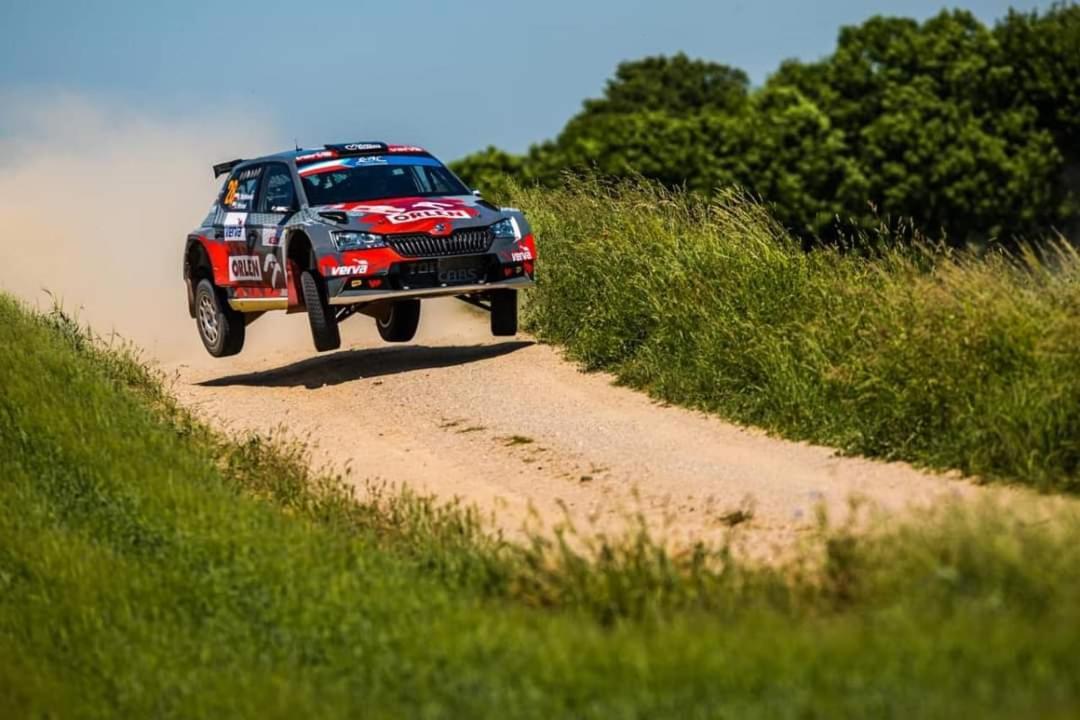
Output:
[[461, 242]]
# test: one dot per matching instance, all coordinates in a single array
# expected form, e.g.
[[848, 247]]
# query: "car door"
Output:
[[276, 202], [233, 227]]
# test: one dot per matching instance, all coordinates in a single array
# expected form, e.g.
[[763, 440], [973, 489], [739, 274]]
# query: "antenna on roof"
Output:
[[296, 144]]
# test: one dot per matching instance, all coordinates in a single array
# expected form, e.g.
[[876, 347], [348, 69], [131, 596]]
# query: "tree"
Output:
[[1044, 52], [933, 124], [674, 85], [798, 161], [489, 170], [957, 173], [968, 131]]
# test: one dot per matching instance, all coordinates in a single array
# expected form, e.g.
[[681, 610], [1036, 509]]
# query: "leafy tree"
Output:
[[936, 131], [674, 85], [490, 169], [798, 160], [1044, 52], [966, 175], [653, 119], [971, 132]]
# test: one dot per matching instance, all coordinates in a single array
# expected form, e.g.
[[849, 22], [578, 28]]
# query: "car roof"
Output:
[[326, 152], [301, 152]]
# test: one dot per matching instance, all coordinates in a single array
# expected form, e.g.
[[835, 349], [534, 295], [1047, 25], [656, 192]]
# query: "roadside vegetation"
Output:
[[856, 290], [941, 357], [150, 566]]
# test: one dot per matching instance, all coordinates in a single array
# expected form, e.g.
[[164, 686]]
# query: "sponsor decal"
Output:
[[322, 167], [425, 210], [360, 147], [344, 163], [337, 164], [405, 149], [249, 179], [272, 266], [523, 252], [445, 275], [358, 267], [244, 268], [459, 275], [271, 238], [234, 226], [230, 192], [321, 155]]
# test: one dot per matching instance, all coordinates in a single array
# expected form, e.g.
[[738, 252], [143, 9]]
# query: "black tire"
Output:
[[400, 324], [221, 328], [504, 313], [324, 325]]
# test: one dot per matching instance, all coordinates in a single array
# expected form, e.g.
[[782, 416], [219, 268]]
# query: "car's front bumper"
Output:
[[353, 297], [428, 277]]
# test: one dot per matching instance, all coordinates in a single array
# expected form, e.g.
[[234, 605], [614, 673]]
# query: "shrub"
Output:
[[935, 356]]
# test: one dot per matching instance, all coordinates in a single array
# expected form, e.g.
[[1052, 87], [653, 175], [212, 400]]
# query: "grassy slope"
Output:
[[948, 361], [149, 567]]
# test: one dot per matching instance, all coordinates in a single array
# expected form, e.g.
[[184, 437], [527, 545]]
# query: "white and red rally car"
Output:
[[359, 227]]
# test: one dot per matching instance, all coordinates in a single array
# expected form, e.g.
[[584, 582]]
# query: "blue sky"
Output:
[[452, 76]]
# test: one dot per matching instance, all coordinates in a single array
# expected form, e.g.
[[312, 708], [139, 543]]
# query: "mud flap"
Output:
[[296, 298]]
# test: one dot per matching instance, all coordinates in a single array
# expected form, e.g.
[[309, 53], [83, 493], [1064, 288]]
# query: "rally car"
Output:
[[363, 227]]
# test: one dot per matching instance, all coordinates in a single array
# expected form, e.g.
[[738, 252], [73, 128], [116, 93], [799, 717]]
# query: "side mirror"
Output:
[[477, 193], [289, 209]]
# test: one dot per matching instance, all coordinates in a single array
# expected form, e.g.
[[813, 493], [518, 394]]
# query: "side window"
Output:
[[240, 189], [279, 194]]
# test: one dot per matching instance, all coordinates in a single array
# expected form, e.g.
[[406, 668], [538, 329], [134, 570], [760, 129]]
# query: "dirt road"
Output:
[[507, 425], [517, 430]]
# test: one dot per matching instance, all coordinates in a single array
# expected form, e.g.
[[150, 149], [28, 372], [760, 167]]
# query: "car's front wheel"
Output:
[[221, 328], [504, 313], [400, 323], [324, 324]]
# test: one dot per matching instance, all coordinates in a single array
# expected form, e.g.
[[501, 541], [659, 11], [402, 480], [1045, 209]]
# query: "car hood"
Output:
[[439, 215]]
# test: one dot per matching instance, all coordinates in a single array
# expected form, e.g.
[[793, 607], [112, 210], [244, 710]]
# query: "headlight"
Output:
[[506, 229], [357, 240]]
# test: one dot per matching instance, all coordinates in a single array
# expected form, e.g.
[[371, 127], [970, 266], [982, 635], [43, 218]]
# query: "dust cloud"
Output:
[[96, 201]]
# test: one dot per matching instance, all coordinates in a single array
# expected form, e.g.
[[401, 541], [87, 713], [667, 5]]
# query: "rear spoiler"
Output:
[[222, 168]]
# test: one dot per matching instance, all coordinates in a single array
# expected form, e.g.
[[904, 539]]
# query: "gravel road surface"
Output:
[[509, 425]]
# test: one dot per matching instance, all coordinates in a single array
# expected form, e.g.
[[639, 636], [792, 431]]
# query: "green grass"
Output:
[[943, 359], [150, 566]]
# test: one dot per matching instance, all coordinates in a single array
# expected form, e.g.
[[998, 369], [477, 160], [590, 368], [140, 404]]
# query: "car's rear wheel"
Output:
[[400, 323], [504, 313], [324, 325], [221, 328]]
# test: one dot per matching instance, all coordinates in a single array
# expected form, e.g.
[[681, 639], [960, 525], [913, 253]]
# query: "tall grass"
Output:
[[150, 566], [936, 357]]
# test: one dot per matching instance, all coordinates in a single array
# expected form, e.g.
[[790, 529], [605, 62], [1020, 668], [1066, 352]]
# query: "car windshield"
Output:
[[375, 177]]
